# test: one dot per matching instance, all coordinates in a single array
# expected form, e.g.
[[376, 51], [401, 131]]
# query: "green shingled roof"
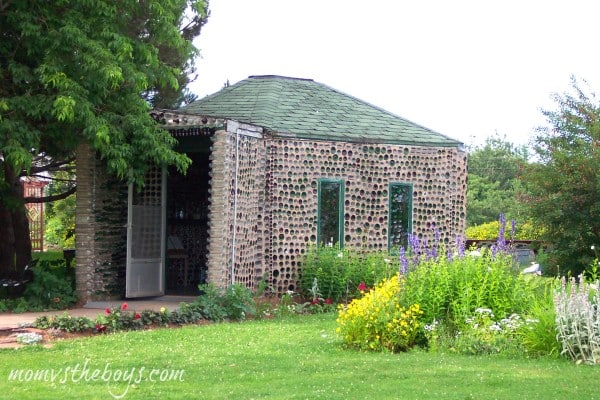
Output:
[[303, 108]]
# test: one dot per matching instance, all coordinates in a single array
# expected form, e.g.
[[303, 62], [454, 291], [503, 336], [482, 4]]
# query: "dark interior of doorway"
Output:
[[187, 226]]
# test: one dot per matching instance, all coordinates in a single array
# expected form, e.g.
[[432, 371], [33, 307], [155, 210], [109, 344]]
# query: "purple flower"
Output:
[[501, 243], [403, 261], [415, 248], [460, 246]]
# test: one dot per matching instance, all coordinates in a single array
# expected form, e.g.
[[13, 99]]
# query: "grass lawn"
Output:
[[294, 358]]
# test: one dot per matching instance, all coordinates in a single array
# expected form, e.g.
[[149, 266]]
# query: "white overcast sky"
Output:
[[466, 69]]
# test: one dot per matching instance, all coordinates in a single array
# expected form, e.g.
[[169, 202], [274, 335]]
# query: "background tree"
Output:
[[75, 71], [564, 186], [59, 215], [494, 185]]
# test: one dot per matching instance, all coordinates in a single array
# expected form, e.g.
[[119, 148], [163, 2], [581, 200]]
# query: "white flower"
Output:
[[475, 253], [340, 254], [29, 338], [593, 247]]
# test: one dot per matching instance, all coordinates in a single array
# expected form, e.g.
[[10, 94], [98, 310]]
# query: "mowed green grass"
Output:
[[294, 358]]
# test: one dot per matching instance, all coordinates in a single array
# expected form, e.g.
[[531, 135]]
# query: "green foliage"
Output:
[[64, 322], [118, 319], [339, 272], [451, 291], [28, 338], [494, 185], [236, 303], [52, 98], [489, 231], [88, 72], [285, 307], [577, 306], [563, 186], [483, 334], [376, 321], [185, 314], [59, 216], [211, 302], [53, 286], [538, 335]]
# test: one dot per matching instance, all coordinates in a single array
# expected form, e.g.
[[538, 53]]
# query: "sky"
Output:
[[466, 69]]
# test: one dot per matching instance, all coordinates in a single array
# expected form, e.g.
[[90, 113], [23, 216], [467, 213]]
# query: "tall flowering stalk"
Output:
[[403, 261], [460, 246], [578, 320], [414, 245], [500, 245]]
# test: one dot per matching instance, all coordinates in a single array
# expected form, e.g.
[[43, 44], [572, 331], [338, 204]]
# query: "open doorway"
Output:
[[187, 225]]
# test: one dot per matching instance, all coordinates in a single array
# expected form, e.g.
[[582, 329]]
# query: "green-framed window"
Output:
[[330, 212], [400, 215]]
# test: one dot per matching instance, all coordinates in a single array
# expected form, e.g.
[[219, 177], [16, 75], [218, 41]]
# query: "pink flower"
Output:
[[107, 310], [137, 316], [362, 287], [328, 301], [123, 306]]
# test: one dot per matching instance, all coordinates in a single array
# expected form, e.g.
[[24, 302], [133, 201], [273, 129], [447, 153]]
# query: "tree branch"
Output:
[[49, 199], [53, 166]]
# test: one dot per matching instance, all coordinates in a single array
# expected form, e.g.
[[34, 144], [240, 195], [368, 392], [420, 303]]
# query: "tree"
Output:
[[494, 186], [59, 215], [77, 71], [564, 186]]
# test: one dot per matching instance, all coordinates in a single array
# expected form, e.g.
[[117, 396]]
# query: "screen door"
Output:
[[146, 219]]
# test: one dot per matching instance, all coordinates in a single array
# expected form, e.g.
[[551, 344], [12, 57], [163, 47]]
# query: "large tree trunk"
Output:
[[7, 242], [15, 242], [22, 238]]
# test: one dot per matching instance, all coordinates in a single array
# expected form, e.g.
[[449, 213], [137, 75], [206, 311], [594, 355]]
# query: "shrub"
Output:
[[340, 271], [211, 303], [64, 322], [450, 290], [489, 231], [376, 321], [578, 320], [538, 334], [52, 287], [236, 303], [186, 314], [482, 333], [118, 319], [29, 338]]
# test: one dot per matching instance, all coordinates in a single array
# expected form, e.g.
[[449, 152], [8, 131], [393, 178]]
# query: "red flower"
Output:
[[328, 301], [100, 328], [137, 316], [314, 302], [124, 306], [362, 287], [107, 310]]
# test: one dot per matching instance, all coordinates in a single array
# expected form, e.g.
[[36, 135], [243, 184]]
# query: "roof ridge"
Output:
[[279, 76]]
